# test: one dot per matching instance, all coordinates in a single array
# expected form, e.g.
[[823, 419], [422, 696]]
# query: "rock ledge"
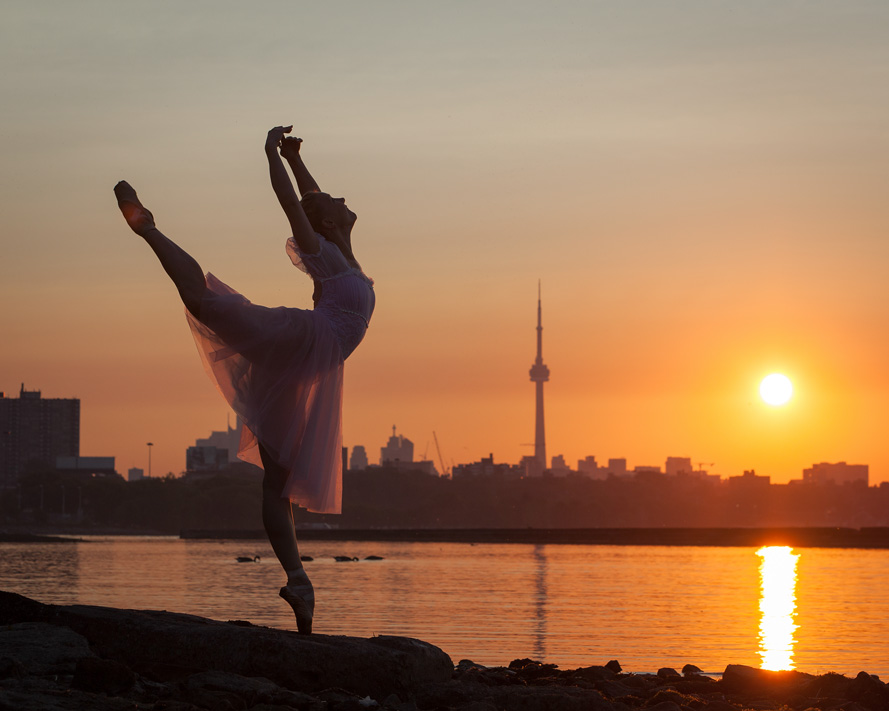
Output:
[[55, 658]]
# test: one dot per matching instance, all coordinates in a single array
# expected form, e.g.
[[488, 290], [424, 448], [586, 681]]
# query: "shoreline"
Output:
[[708, 537], [860, 538], [106, 659]]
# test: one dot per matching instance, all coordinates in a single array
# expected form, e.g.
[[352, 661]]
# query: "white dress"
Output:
[[281, 370]]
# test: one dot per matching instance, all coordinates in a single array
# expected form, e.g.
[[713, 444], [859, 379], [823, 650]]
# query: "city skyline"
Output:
[[45, 431], [701, 188]]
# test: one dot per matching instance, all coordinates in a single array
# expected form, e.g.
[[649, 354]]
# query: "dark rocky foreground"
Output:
[[55, 658]]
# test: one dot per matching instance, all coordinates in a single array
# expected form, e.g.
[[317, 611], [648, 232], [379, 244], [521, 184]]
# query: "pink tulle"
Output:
[[281, 370]]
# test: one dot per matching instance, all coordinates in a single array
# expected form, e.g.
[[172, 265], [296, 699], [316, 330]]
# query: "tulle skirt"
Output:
[[281, 370]]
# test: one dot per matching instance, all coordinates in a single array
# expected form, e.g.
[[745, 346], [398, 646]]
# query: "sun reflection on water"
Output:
[[777, 606]]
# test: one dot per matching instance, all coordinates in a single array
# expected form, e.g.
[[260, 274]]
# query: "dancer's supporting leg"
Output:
[[277, 517], [180, 266], [277, 514]]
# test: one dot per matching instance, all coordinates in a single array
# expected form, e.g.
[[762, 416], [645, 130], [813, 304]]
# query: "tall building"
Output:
[[359, 458], [539, 375], [399, 448], [36, 430]]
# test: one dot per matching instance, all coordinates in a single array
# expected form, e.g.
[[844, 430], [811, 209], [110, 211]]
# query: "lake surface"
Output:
[[815, 610]]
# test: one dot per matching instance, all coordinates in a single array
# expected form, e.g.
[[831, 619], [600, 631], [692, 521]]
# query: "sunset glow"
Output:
[[700, 188], [777, 606], [776, 389]]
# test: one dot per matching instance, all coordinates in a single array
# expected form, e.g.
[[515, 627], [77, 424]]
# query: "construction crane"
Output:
[[444, 470], [701, 465]]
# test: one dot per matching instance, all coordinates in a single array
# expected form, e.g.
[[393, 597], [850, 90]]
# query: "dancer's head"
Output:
[[328, 216]]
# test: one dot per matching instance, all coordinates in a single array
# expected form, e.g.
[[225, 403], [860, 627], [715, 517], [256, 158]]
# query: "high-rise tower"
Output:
[[539, 375], [33, 428]]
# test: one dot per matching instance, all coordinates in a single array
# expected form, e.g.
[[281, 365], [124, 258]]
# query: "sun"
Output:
[[776, 389]]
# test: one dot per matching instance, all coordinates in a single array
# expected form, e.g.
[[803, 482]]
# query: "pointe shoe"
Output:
[[138, 217], [302, 599]]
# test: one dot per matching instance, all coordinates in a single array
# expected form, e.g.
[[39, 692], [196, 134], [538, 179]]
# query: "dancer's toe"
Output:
[[301, 599], [124, 192]]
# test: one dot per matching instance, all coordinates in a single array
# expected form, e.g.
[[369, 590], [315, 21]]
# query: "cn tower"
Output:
[[539, 375]]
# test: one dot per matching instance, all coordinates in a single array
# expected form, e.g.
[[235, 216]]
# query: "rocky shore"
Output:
[[55, 658]]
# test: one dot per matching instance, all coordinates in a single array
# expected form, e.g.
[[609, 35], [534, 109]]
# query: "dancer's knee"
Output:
[[274, 475]]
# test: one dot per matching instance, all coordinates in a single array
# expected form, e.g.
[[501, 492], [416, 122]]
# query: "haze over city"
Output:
[[700, 188]]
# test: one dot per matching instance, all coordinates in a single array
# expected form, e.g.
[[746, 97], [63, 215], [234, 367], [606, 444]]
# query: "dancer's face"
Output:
[[321, 206]]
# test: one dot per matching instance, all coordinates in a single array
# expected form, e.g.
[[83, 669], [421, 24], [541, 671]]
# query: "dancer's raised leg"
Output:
[[180, 266], [277, 517]]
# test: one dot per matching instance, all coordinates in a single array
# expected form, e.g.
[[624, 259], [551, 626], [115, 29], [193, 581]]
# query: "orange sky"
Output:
[[700, 188]]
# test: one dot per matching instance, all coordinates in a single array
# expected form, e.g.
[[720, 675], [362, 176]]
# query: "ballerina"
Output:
[[281, 369]]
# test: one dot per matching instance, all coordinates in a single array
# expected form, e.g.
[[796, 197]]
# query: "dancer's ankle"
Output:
[[298, 578]]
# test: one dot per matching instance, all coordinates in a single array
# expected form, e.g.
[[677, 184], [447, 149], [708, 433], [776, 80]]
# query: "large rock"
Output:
[[739, 678], [166, 646], [40, 649]]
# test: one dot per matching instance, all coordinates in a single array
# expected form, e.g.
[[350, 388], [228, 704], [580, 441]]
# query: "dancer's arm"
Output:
[[304, 180], [303, 233]]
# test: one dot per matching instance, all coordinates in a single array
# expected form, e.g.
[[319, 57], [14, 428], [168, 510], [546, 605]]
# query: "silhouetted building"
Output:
[[486, 467], [839, 473], [591, 469], [206, 459], [424, 466], [213, 453], [539, 375], [86, 467], [559, 465], [750, 482], [35, 430], [678, 465], [530, 466], [228, 439], [587, 465], [399, 448], [617, 467], [135, 474], [646, 469], [358, 459], [218, 452]]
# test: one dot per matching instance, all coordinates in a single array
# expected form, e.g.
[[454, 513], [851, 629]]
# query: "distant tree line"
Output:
[[156, 504], [389, 498]]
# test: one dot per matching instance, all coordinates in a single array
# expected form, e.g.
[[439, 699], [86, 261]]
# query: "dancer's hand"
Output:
[[290, 148], [276, 135]]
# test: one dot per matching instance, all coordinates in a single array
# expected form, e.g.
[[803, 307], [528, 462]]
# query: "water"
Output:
[[572, 605]]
